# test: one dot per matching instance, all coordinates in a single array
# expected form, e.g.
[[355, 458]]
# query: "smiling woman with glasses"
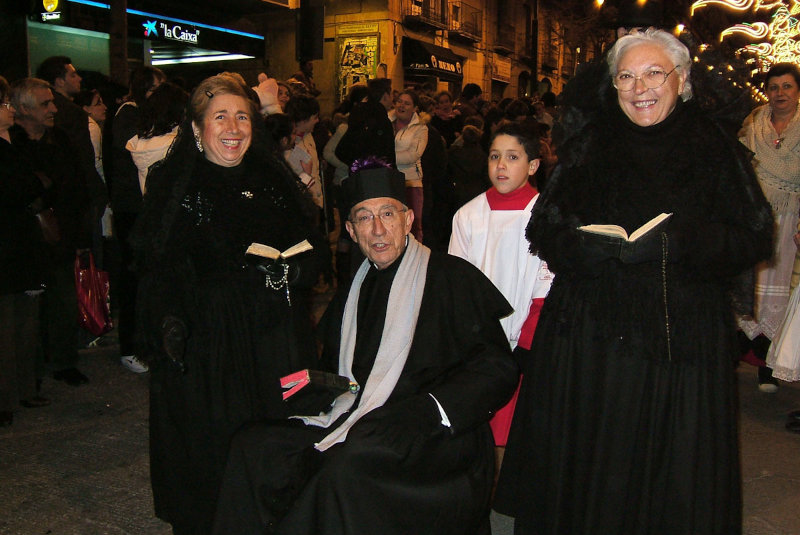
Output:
[[218, 327], [625, 422]]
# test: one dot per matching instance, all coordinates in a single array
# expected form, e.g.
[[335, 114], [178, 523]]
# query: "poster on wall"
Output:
[[358, 61]]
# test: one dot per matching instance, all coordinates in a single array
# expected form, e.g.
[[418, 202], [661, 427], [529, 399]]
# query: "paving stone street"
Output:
[[80, 466]]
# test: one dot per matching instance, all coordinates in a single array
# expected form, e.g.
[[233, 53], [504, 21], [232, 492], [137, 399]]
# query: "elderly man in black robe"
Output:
[[411, 451]]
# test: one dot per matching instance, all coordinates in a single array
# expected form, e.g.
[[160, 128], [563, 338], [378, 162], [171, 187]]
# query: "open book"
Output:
[[617, 231], [265, 251]]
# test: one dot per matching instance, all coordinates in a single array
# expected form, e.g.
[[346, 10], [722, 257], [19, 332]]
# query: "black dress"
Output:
[[626, 420], [242, 334]]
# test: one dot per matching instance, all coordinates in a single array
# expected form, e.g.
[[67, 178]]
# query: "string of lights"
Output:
[[776, 41]]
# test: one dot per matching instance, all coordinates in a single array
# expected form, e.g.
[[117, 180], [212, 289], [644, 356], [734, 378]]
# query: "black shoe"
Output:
[[6, 418], [71, 376], [793, 426], [34, 402], [766, 382], [794, 415]]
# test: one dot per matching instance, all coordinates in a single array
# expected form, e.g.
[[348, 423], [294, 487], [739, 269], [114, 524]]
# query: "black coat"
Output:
[[75, 122], [54, 157], [369, 133], [121, 172], [22, 260]]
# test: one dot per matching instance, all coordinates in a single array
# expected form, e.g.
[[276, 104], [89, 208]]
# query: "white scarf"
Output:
[[405, 298], [778, 168]]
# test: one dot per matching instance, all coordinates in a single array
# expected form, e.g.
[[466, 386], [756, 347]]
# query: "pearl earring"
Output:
[[198, 142]]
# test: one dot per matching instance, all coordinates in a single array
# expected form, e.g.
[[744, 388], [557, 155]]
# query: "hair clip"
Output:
[[209, 94]]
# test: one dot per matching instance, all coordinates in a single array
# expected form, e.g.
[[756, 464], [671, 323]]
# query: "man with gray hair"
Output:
[[51, 156]]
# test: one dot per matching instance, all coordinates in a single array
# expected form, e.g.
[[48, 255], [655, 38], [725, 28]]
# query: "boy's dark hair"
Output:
[[527, 137], [378, 87], [277, 127], [471, 91], [85, 97], [549, 99], [301, 107], [474, 120], [441, 94], [142, 80], [356, 94], [471, 136], [163, 111], [52, 68], [515, 109]]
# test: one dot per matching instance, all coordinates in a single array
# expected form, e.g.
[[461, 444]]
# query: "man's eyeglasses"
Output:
[[388, 216], [652, 79], [6, 104]]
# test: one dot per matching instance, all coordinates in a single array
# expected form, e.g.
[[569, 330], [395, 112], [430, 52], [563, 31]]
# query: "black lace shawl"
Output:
[[168, 258], [612, 171]]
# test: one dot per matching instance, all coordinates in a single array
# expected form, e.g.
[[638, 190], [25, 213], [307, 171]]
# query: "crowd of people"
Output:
[[499, 349]]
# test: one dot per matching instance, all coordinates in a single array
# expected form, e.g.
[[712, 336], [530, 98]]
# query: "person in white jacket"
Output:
[[303, 159], [410, 140], [92, 103], [158, 125]]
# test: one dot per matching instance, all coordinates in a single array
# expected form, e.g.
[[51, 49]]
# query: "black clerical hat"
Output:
[[373, 183]]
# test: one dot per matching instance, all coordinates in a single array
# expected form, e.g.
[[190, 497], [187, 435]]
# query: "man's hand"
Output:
[[404, 427]]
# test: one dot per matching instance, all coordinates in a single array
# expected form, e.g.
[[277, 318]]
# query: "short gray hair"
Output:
[[22, 93], [676, 51]]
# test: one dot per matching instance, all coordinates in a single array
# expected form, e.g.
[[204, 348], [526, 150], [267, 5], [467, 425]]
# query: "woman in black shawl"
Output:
[[218, 329], [626, 419]]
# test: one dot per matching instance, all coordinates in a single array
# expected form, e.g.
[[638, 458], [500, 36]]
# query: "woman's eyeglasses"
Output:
[[652, 79]]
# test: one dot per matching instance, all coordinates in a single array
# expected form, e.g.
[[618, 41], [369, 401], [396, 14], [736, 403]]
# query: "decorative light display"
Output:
[[740, 5], [778, 40]]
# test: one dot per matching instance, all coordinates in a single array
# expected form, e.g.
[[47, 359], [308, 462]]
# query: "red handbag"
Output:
[[94, 307]]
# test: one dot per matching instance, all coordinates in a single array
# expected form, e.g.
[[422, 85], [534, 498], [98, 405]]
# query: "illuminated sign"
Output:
[[150, 28], [50, 12], [176, 32], [172, 31], [441, 64]]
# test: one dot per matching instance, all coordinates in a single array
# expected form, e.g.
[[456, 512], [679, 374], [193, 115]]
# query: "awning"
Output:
[[428, 59]]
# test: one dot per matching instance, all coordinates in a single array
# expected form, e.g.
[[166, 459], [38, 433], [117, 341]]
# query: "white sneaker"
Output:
[[133, 364]]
